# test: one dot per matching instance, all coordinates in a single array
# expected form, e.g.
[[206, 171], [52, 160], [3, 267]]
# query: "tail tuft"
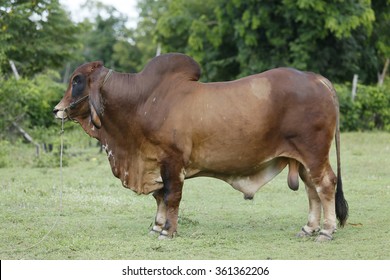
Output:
[[341, 203]]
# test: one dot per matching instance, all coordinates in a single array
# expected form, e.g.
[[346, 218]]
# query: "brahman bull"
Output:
[[162, 126]]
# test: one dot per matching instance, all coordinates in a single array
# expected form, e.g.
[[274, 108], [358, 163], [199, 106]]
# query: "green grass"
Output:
[[102, 220]]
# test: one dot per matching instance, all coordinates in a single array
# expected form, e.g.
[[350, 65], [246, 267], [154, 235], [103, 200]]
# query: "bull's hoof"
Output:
[[305, 233], [155, 230], [302, 234], [324, 237], [165, 235]]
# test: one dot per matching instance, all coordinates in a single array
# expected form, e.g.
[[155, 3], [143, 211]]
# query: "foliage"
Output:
[[381, 30], [16, 154], [29, 102], [369, 111], [145, 35], [4, 153], [36, 35], [49, 160], [77, 147]]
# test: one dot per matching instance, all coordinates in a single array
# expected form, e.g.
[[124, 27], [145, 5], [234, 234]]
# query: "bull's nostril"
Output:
[[55, 111]]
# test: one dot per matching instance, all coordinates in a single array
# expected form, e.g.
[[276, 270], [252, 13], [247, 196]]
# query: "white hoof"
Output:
[[324, 237], [163, 237], [155, 230], [306, 232]]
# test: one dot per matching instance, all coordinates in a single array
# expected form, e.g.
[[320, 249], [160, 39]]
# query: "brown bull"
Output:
[[162, 126]]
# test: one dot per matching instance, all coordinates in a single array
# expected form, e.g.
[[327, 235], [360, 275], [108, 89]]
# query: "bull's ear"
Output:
[[95, 99], [95, 119], [95, 106]]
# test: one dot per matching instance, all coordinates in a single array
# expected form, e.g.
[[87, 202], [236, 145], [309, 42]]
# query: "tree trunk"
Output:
[[14, 70], [381, 77]]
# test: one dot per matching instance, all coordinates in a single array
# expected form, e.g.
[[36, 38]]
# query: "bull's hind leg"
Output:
[[326, 189], [320, 186], [314, 218]]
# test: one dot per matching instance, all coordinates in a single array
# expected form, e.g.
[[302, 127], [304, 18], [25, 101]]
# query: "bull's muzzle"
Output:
[[59, 113]]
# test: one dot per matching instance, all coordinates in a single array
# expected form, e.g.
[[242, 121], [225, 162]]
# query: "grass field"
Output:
[[100, 219]]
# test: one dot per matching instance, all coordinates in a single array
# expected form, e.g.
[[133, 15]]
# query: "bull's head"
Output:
[[85, 83]]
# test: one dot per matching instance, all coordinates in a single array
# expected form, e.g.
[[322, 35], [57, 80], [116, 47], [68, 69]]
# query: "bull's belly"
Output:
[[236, 157], [246, 179]]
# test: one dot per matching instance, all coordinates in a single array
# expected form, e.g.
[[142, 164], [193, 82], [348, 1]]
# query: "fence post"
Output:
[[354, 86]]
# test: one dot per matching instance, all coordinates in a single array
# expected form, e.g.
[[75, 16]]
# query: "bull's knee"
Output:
[[326, 186]]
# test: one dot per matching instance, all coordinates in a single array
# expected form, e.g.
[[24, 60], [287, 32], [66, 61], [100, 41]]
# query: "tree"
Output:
[[146, 35], [105, 37], [234, 38], [35, 35], [381, 37], [309, 35], [182, 26]]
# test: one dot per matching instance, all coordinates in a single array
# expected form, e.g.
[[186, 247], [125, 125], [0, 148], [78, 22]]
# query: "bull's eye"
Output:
[[75, 81], [78, 85]]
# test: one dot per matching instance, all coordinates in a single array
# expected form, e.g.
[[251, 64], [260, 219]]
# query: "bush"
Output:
[[50, 160], [369, 111], [4, 153], [29, 102]]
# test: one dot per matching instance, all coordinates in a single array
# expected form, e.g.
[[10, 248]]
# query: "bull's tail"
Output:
[[341, 203]]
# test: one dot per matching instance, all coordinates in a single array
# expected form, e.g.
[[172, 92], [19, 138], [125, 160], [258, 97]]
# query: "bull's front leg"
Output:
[[161, 215], [168, 200]]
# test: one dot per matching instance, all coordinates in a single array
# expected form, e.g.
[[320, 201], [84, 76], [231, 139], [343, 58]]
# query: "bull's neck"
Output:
[[121, 99]]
